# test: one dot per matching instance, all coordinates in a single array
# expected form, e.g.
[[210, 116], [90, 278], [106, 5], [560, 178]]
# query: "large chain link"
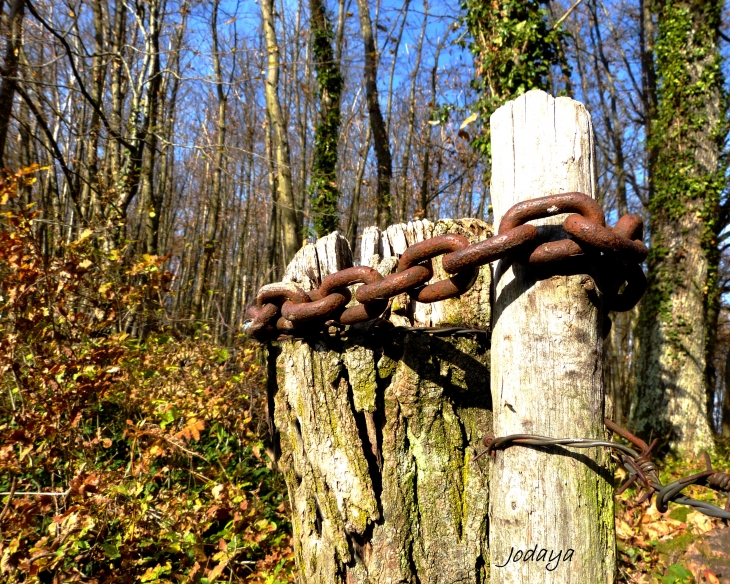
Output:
[[287, 309]]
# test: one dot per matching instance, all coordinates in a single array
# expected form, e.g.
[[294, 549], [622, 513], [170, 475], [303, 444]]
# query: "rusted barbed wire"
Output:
[[639, 466], [284, 308]]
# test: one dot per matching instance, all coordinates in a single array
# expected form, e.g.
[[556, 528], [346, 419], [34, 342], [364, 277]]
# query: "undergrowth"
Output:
[[664, 548], [135, 453], [123, 457]]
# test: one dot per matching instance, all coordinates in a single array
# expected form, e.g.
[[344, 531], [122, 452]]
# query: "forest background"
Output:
[[165, 158]]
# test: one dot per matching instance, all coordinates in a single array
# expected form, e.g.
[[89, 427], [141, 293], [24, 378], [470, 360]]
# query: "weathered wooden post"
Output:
[[376, 429], [546, 366], [377, 433]]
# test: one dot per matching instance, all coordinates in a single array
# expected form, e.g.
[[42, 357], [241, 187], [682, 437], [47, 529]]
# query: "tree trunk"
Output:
[[381, 144], [90, 190], [424, 196], [323, 189], [394, 61], [377, 433], [353, 215], [168, 115], [287, 212], [547, 365], [210, 229], [678, 314], [117, 86], [151, 197], [273, 267], [405, 163], [10, 71], [647, 34]]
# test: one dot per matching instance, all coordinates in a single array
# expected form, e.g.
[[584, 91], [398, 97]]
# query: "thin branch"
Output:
[[564, 16], [36, 494], [7, 504], [54, 145], [76, 74]]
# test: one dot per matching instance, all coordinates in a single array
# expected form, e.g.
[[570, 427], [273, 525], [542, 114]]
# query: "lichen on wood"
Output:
[[547, 362], [376, 436]]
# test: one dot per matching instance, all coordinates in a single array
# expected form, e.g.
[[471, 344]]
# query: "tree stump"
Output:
[[376, 433]]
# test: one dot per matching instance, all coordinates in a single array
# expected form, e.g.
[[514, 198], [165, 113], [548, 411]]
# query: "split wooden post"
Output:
[[377, 434], [546, 373]]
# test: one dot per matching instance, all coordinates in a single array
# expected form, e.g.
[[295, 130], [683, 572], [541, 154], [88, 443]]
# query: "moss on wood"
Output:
[[419, 512]]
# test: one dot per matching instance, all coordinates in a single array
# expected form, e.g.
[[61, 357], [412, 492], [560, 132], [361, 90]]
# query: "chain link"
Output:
[[286, 309]]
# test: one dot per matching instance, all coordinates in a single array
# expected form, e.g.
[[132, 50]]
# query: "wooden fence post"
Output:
[[377, 434], [547, 366]]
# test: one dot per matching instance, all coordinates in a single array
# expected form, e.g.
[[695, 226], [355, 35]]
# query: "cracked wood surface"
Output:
[[376, 435], [547, 363]]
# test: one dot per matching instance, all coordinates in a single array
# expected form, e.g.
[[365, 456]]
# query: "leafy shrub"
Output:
[[124, 457]]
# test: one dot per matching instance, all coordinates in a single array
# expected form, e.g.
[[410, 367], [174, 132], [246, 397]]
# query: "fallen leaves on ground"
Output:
[[680, 546]]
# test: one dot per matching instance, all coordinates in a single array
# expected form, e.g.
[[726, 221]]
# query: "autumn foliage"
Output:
[[128, 451]]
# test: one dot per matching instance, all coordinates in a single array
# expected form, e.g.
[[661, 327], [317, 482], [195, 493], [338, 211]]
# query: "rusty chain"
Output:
[[286, 309], [638, 464]]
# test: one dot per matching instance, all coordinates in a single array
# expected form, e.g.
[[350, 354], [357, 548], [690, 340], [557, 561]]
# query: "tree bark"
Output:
[[210, 229], [168, 115], [424, 195], [151, 197], [381, 144], [394, 61], [323, 189], [117, 89], [411, 124], [547, 364], [353, 215], [90, 190], [376, 434], [679, 312], [647, 34], [285, 196], [10, 71]]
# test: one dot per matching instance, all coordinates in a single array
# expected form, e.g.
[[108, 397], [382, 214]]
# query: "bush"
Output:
[[124, 456]]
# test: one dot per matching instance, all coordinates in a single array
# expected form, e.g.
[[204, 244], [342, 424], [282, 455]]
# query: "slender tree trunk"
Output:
[[618, 348], [323, 188], [237, 293], [10, 71], [117, 86], [725, 408], [24, 157], [168, 113], [340, 35], [383, 198], [391, 76], [423, 197], [411, 121], [647, 37], [354, 213], [273, 269], [90, 191], [609, 110], [293, 93], [290, 227], [547, 375], [210, 243], [151, 204], [676, 320]]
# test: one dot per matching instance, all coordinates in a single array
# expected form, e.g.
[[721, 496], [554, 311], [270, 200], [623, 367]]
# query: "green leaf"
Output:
[[677, 574], [111, 551]]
